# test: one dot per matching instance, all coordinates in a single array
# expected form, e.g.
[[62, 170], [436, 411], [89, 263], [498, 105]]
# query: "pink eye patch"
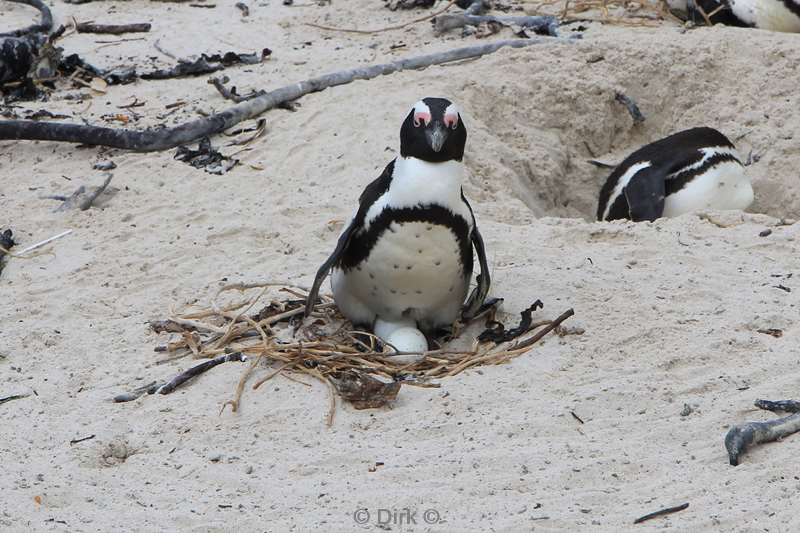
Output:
[[451, 120], [421, 116]]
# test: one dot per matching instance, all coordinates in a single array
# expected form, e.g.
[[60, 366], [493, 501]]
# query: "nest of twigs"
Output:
[[268, 326], [647, 13]]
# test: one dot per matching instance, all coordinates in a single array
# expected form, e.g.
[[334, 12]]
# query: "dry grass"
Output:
[[322, 346]]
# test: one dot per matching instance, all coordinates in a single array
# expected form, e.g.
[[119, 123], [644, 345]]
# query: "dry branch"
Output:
[[113, 29], [196, 370], [166, 138], [662, 512], [81, 198]]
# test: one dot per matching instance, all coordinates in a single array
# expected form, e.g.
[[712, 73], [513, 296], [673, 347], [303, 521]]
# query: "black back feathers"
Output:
[[659, 169]]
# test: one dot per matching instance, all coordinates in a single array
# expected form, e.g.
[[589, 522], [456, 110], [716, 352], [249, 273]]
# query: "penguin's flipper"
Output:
[[322, 273], [479, 293], [645, 193], [369, 196]]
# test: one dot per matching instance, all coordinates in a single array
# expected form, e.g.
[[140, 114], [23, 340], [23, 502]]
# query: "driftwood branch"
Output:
[[45, 23], [196, 370], [545, 25], [81, 198], [662, 512], [166, 138], [113, 29], [742, 437]]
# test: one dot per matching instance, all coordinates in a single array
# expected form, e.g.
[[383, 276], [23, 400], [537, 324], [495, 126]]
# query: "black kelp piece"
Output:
[[20, 50], [206, 64], [205, 157], [43, 27], [6, 242], [409, 4], [785, 406], [496, 332], [17, 55]]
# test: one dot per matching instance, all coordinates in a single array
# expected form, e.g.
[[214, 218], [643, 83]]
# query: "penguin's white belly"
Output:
[[723, 187], [412, 272], [767, 15]]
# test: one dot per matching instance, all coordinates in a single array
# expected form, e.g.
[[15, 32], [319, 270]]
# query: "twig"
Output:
[[544, 331], [387, 28], [742, 437], [113, 29], [165, 138], [82, 439], [44, 242], [150, 388], [633, 109], [188, 374], [662, 512], [13, 397]]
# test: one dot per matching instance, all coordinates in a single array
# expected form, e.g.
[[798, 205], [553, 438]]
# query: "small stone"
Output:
[[215, 457], [766, 233], [687, 410], [248, 469], [105, 165]]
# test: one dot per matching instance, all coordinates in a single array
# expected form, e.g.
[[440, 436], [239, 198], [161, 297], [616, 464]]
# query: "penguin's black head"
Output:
[[433, 131]]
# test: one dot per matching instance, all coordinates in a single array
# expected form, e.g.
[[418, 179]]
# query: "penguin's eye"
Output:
[[451, 121], [420, 118]]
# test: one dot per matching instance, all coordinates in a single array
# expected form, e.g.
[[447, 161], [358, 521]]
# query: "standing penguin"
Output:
[[694, 169], [403, 264], [773, 15]]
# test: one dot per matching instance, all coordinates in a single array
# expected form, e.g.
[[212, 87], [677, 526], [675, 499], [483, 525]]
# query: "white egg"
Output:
[[404, 337]]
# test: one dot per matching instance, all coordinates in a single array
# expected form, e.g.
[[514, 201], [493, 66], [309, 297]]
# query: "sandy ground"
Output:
[[670, 309]]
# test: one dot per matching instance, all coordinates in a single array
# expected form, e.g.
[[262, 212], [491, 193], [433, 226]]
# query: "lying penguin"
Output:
[[402, 265], [691, 170], [773, 15]]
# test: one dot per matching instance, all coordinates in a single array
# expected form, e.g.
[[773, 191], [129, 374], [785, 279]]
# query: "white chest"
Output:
[[724, 186], [413, 265]]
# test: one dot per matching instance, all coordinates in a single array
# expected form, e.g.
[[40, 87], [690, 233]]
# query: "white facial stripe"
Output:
[[417, 182], [708, 153], [622, 182], [451, 116], [422, 113]]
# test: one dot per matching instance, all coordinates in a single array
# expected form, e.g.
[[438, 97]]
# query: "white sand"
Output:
[[670, 309]]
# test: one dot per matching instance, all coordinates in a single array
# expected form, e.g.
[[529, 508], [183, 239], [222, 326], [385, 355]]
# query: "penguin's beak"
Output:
[[436, 136]]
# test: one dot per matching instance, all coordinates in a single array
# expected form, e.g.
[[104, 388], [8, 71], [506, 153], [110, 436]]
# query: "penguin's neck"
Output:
[[415, 182]]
